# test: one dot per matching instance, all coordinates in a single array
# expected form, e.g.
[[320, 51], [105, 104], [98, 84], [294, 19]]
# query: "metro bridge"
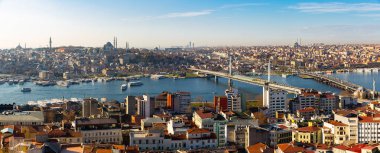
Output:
[[345, 85], [251, 80]]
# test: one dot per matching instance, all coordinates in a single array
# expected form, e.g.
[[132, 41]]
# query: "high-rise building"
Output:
[[50, 43], [90, 107], [233, 100], [275, 100], [179, 102], [145, 106], [130, 105]]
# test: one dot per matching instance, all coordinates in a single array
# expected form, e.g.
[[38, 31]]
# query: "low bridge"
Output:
[[332, 81], [251, 80]]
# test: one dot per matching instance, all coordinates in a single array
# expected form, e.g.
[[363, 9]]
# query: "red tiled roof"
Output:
[[289, 148], [357, 148], [336, 123], [307, 109], [204, 115], [257, 148], [369, 119], [342, 147], [308, 129], [197, 131]]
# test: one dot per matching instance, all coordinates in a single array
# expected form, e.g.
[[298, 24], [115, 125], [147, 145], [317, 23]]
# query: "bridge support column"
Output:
[[216, 79]]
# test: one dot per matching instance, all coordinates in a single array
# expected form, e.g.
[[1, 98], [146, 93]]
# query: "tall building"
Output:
[[90, 107], [275, 100], [145, 106], [130, 105], [50, 43], [179, 102], [368, 129], [328, 102], [220, 103], [233, 100], [351, 119]]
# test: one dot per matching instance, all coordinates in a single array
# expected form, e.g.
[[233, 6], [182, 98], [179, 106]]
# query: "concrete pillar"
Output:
[[216, 79]]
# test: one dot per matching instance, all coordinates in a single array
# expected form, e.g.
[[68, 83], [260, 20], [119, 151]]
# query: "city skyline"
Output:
[[174, 23]]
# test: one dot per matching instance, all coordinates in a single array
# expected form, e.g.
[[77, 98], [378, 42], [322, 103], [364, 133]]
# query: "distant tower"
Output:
[[373, 88], [269, 71], [116, 42], [193, 45], [50, 42], [25, 46], [230, 73]]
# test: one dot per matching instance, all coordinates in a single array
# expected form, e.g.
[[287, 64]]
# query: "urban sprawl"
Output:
[[311, 121]]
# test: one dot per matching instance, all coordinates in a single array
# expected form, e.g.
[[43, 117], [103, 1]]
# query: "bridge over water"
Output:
[[251, 80], [345, 85]]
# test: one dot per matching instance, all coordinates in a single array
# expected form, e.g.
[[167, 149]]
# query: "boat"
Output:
[[21, 82], [137, 83], [157, 77], [63, 83], [73, 82], [284, 75], [26, 90], [10, 82], [124, 87]]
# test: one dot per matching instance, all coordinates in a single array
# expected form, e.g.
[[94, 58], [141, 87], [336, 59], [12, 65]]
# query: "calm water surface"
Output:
[[201, 89]]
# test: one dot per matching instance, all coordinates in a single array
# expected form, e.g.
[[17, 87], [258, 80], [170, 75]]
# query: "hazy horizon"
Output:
[[167, 23]]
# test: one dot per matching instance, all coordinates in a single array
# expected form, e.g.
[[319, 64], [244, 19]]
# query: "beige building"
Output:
[[308, 134], [351, 119], [335, 132]]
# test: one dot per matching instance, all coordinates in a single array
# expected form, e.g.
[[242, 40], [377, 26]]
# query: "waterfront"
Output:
[[202, 89]]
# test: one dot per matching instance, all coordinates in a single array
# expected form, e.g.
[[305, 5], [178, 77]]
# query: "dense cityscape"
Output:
[[210, 87]]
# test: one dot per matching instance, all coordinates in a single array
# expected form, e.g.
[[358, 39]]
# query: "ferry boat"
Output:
[[137, 83], [26, 90], [63, 83], [124, 87]]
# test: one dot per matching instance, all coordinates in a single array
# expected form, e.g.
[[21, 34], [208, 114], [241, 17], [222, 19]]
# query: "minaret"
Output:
[[114, 42], [373, 88], [50, 42]]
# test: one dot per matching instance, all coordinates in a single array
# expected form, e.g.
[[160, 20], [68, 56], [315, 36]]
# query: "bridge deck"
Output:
[[341, 83], [251, 80]]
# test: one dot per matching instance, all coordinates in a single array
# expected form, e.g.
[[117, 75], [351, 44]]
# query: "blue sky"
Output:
[[149, 23]]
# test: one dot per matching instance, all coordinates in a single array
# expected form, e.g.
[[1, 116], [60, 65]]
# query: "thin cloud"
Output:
[[370, 15], [187, 14], [336, 7], [241, 5]]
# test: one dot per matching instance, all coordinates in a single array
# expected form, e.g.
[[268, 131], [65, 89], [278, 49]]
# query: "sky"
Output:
[[167, 23]]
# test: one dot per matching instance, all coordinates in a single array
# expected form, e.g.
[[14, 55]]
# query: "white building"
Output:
[[335, 132], [275, 100], [214, 122], [369, 129], [101, 130], [22, 118], [176, 126], [192, 139], [233, 100], [144, 106], [351, 119]]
